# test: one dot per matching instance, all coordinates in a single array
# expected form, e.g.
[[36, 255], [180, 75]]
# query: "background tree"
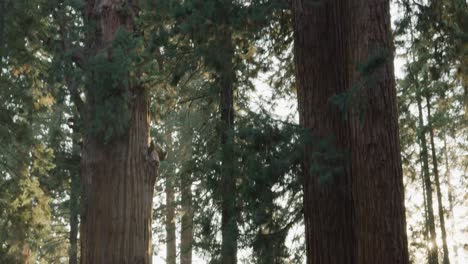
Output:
[[62, 86]]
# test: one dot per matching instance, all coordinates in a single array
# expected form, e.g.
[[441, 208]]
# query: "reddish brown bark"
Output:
[[356, 216], [118, 177], [119, 181]]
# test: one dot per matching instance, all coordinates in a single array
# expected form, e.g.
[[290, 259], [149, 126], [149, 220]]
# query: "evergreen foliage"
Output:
[[55, 90]]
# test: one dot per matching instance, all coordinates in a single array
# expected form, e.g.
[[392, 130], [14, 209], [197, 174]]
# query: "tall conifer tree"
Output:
[[118, 164], [353, 193]]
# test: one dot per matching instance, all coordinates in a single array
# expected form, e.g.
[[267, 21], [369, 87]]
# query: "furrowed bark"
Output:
[[118, 177], [357, 215]]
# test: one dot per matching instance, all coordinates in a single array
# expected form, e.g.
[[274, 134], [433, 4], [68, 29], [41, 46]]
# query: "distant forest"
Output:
[[234, 131]]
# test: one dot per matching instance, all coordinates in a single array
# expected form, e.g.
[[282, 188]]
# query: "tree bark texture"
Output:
[[356, 216], [118, 177], [435, 169]]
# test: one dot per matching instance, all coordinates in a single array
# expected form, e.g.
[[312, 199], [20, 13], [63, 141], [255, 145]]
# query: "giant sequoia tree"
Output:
[[118, 163], [353, 187], [85, 85]]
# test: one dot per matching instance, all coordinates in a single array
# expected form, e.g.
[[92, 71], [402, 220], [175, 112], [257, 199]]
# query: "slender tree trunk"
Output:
[[426, 221], [171, 253], [450, 196], [433, 250], [74, 215], [75, 185], [446, 259], [2, 35], [186, 236], [269, 240], [186, 232], [118, 177], [356, 215], [229, 229]]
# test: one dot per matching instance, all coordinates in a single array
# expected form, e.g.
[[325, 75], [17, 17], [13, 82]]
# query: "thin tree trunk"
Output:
[[267, 246], [433, 250], [186, 236], [229, 229], [75, 190], [435, 168], [356, 215], [426, 221], [2, 35], [118, 177], [186, 232], [450, 196], [75, 185], [171, 253]]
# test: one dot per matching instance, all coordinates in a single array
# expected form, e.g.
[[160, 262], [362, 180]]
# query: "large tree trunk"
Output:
[[433, 249], [435, 168], [118, 181], [118, 176], [356, 215]]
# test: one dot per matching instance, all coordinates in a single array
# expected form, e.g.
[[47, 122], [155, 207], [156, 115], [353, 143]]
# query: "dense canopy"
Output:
[[233, 131]]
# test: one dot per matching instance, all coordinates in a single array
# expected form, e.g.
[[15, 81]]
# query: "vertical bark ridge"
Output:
[[118, 176], [358, 215]]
